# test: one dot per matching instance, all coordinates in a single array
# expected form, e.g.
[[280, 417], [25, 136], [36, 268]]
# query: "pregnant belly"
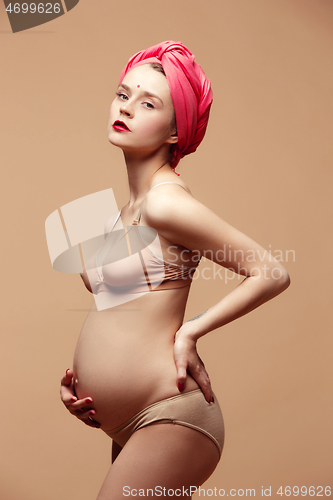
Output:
[[124, 369]]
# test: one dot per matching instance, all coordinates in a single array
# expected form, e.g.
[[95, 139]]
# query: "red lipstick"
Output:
[[120, 126]]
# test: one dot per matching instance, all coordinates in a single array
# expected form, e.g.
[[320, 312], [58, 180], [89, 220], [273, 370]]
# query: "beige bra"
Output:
[[132, 262]]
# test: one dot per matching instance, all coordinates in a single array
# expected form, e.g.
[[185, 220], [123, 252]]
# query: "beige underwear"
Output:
[[189, 409]]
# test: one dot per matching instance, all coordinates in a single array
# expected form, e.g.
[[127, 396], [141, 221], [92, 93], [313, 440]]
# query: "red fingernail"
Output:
[[67, 370], [181, 387]]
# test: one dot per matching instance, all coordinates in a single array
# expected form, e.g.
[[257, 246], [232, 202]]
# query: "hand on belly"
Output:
[[81, 408]]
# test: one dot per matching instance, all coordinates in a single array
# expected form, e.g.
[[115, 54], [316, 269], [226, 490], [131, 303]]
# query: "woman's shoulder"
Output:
[[167, 202], [168, 186], [163, 195]]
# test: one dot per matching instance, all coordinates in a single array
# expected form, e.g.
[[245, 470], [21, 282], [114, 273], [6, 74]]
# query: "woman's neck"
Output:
[[141, 172]]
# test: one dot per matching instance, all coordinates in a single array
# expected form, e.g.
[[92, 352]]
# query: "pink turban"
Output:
[[190, 91]]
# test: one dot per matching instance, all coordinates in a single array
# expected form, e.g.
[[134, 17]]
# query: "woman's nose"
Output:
[[126, 109]]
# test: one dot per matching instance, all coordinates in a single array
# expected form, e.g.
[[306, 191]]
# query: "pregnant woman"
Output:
[[136, 373]]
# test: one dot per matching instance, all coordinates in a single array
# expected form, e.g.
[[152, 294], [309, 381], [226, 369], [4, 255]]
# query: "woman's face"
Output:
[[143, 104]]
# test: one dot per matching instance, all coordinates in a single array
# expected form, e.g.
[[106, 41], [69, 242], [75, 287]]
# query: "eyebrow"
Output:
[[144, 92]]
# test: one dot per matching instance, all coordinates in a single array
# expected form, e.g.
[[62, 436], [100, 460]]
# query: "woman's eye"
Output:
[[149, 105], [123, 97]]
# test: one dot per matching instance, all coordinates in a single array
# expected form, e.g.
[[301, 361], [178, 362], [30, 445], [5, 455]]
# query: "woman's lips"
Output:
[[120, 126]]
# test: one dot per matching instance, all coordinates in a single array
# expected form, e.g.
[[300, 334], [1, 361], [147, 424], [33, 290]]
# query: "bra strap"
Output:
[[137, 220]]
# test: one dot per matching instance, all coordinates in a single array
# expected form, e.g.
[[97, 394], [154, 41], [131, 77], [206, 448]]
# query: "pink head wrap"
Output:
[[190, 92]]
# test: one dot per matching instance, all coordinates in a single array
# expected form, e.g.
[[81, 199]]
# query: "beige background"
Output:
[[265, 166]]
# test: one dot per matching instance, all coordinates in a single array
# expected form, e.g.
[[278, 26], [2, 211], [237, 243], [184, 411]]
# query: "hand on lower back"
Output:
[[188, 360]]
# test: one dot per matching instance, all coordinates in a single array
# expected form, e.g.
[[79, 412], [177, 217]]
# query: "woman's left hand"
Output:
[[188, 360]]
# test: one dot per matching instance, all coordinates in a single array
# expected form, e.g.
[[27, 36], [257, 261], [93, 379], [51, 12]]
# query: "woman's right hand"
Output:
[[81, 408]]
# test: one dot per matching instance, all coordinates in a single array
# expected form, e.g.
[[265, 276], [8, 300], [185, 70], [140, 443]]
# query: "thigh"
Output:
[[161, 456]]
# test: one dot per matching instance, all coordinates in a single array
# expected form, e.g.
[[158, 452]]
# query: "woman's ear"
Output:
[[173, 138]]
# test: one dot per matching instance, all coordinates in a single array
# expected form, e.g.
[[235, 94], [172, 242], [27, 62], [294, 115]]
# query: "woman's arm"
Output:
[[252, 292], [189, 223]]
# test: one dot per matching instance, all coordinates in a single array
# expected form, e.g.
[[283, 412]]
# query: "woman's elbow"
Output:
[[286, 280], [281, 277]]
